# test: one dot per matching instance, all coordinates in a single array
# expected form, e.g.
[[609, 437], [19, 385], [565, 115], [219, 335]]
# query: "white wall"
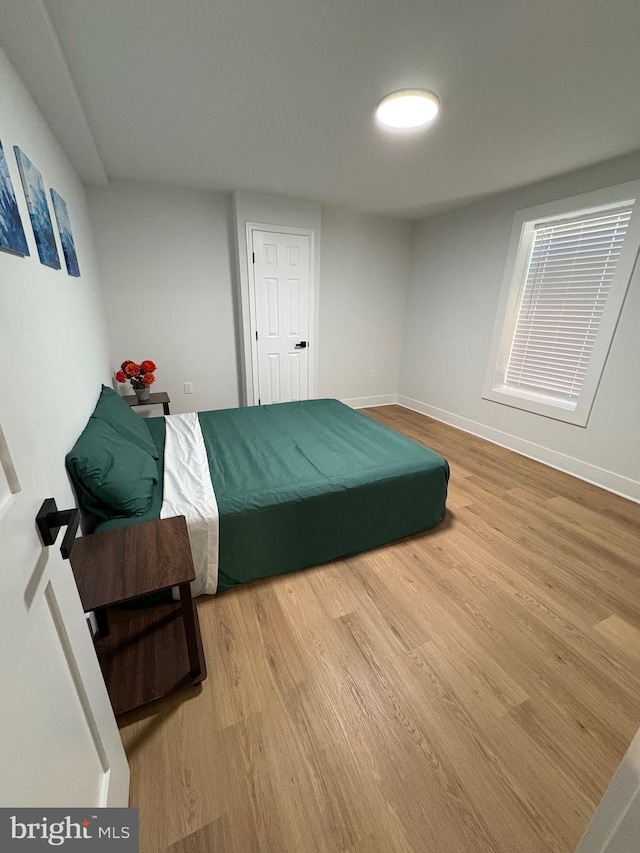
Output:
[[174, 268], [165, 263], [364, 273], [53, 351], [457, 269]]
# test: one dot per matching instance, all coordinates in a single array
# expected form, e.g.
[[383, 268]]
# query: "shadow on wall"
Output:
[[235, 297]]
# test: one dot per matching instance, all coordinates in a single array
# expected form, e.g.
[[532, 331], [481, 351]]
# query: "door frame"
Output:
[[250, 323]]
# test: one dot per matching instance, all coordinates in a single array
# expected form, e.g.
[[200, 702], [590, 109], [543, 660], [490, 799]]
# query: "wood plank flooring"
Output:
[[469, 689]]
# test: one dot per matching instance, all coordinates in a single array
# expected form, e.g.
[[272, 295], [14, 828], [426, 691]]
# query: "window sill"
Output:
[[538, 404]]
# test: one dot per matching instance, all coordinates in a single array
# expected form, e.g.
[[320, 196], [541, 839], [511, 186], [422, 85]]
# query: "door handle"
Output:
[[49, 521], [301, 345]]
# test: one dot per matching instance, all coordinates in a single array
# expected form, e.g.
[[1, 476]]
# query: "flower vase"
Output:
[[142, 394]]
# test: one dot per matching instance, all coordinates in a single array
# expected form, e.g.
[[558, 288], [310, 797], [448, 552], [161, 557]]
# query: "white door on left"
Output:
[[59, 742]]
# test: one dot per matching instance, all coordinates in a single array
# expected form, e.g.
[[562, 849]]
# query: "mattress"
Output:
[[298, 484]]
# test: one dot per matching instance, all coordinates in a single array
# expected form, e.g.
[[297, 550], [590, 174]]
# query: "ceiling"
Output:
[[278, 95]]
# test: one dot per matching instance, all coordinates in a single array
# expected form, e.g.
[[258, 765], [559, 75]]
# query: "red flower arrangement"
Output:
[[139, 375]]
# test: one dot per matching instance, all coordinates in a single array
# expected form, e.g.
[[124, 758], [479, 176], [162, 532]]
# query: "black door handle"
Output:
[[50, 519], [301, 345]]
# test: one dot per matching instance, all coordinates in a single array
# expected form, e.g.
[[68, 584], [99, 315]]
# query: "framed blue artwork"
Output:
[[38, 210], [66, 235], [12, 237]]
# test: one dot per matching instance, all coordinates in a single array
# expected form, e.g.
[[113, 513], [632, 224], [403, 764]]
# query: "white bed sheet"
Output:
[[188, 491]]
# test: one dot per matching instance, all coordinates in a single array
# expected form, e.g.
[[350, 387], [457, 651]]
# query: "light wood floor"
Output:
[[469, 689]]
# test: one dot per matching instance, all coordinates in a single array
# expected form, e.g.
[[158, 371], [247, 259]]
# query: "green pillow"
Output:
[[113, 475], [112, 409]]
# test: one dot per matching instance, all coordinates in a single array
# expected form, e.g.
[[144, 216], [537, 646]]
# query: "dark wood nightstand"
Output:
[[147, 652], [159, 399]]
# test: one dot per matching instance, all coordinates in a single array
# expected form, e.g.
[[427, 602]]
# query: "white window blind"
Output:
[[569, 272]]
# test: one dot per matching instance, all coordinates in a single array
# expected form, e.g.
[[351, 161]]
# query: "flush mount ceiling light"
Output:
[[408, 108]]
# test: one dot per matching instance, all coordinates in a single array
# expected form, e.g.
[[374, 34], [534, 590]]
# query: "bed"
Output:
[[270, 489]]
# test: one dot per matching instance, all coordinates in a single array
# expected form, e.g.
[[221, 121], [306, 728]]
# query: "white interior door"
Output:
[[282, 300], [60, 745], [615, 826]]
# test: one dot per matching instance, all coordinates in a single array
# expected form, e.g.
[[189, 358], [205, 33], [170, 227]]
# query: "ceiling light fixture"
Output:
[[408, 108]]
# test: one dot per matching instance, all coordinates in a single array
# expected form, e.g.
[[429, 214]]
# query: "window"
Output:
[[567, 273]]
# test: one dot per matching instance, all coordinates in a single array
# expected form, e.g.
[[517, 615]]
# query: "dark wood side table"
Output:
[[147, 652], [159, 399]]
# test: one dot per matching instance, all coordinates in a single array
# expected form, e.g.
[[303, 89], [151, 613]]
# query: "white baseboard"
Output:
[[612, 482], [368, 402]]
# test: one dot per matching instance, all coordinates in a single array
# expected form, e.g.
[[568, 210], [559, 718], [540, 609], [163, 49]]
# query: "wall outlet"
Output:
[[188, 387], [374, 375]]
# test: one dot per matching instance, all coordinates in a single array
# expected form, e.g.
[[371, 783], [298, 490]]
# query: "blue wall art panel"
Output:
[[12, 238], [66, 235], [38, 210]]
